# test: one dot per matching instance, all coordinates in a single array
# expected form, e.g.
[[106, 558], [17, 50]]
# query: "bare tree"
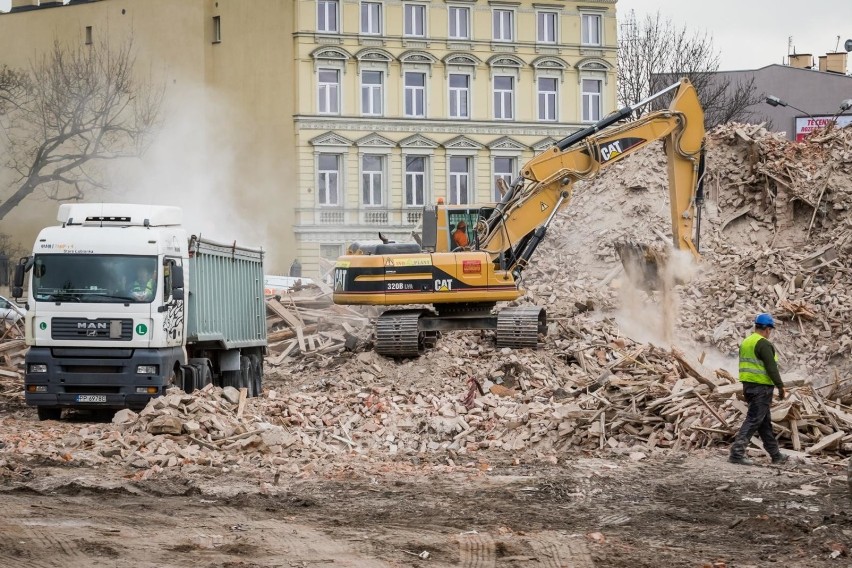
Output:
[[76, 108], [654, 53]]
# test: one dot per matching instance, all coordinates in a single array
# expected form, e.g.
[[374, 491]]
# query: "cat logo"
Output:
[[611, 150], [339, 279], [444, 285]]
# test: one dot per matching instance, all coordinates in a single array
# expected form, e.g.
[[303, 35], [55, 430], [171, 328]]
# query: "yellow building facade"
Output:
[[403, 102], [356, 113]]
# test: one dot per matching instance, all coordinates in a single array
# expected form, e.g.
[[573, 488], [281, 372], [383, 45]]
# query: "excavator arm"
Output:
[[520, 221]]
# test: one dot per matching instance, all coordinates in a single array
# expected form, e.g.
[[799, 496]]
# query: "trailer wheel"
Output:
[[190, 378], [231, 379], [47, 413], [246, 375], [205, 375], [257, 374]]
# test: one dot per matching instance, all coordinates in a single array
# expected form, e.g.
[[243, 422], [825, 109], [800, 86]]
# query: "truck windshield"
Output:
[[94, 278]]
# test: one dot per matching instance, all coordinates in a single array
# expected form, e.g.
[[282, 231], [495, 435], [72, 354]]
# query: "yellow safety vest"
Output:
[[752, 369]]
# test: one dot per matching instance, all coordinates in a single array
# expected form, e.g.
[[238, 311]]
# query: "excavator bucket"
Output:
[[645, 265]]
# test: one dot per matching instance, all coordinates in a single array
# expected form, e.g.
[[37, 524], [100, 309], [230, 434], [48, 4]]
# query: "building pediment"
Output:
[[375, 140], [506, 143], [550, 62], [330, 139], [374, 54], [544, 144], [333, 53], [467, 59], [417, 141], [462, 143], [505, 60], [422, 57], [593, 64]]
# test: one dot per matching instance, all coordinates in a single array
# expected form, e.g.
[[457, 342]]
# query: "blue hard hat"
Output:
[[765, 320]]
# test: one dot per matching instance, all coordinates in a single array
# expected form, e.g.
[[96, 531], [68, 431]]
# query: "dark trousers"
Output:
[[758, 419]]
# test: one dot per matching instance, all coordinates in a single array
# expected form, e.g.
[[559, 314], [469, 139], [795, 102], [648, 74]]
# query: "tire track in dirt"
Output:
[[554, 550], [477, 550]]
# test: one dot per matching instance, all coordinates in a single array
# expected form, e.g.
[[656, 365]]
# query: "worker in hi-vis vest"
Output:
[[760, 377]]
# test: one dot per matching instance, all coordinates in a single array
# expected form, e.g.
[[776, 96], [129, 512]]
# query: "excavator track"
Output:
[[398, 333], [519, 327]]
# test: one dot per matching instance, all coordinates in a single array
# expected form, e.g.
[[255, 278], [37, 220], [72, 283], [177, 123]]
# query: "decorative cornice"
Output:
[[326, 52]]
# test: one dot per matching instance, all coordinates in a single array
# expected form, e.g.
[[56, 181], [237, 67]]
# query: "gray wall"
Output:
[[815, 92]]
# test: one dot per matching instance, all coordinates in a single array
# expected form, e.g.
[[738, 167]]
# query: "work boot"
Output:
[[741, 461], [780, 459]]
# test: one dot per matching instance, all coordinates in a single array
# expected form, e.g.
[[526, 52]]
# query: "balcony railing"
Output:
[[361, 217]]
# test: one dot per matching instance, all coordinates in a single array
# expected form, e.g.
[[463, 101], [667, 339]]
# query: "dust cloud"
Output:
[[192, 163], [651, 317]]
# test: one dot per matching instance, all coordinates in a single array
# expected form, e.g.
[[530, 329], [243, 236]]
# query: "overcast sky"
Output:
[[752, 33], [749, 33]]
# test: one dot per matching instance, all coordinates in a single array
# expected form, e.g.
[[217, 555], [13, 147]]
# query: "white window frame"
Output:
[[369, 92], [591, 29], [328, 94], [501, 94], [411, 177], [589, 98], [495, 175], [413, 90], [551, 100], [542, 19], [453, 29], [456, 109], [409, 17], [370, 177], [325, 178], [330, 7], [374, 21], [503, 30], [454, 182]]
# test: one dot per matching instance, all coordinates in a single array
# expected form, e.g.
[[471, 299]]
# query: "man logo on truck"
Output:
[[91, 325]]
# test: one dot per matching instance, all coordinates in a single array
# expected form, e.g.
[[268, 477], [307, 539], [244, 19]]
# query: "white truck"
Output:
[[123, 304]]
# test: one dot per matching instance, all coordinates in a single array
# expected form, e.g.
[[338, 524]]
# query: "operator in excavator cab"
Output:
[[460, 235]]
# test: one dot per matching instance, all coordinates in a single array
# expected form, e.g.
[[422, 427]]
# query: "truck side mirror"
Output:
[[177, 293], [20, 270], [177, 279]]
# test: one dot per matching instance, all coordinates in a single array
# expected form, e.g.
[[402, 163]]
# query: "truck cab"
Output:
[[106, 308]]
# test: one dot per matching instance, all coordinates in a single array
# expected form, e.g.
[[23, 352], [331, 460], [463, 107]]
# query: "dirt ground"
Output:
[[601, 509]]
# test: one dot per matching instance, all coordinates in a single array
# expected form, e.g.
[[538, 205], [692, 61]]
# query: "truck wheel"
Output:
[[47, 413], [246, 375], [231, 379], [257, 374]]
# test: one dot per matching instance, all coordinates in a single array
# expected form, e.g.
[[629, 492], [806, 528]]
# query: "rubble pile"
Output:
[[305, 322]]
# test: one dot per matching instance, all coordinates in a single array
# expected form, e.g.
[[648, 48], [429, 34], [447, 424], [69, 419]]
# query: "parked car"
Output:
[[11, 311]]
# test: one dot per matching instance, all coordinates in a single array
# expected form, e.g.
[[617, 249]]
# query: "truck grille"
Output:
[[97, 330]]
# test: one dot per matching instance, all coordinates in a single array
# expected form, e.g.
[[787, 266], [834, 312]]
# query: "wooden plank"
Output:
[[825, 442], [241, 404], [713, 411], [292, 319], [694, 368], [10, 374], [794, 435]]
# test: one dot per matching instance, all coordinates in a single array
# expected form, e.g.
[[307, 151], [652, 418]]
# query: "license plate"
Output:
[[91, 398]]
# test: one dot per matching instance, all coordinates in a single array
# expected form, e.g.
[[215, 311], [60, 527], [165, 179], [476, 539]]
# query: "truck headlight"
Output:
[[37, 368], [147, 369]]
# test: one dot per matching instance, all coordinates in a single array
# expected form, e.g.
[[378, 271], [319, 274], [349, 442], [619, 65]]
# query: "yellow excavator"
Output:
[[439, 287]]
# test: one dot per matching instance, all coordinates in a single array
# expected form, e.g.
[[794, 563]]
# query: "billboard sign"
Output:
[[807, 124]]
